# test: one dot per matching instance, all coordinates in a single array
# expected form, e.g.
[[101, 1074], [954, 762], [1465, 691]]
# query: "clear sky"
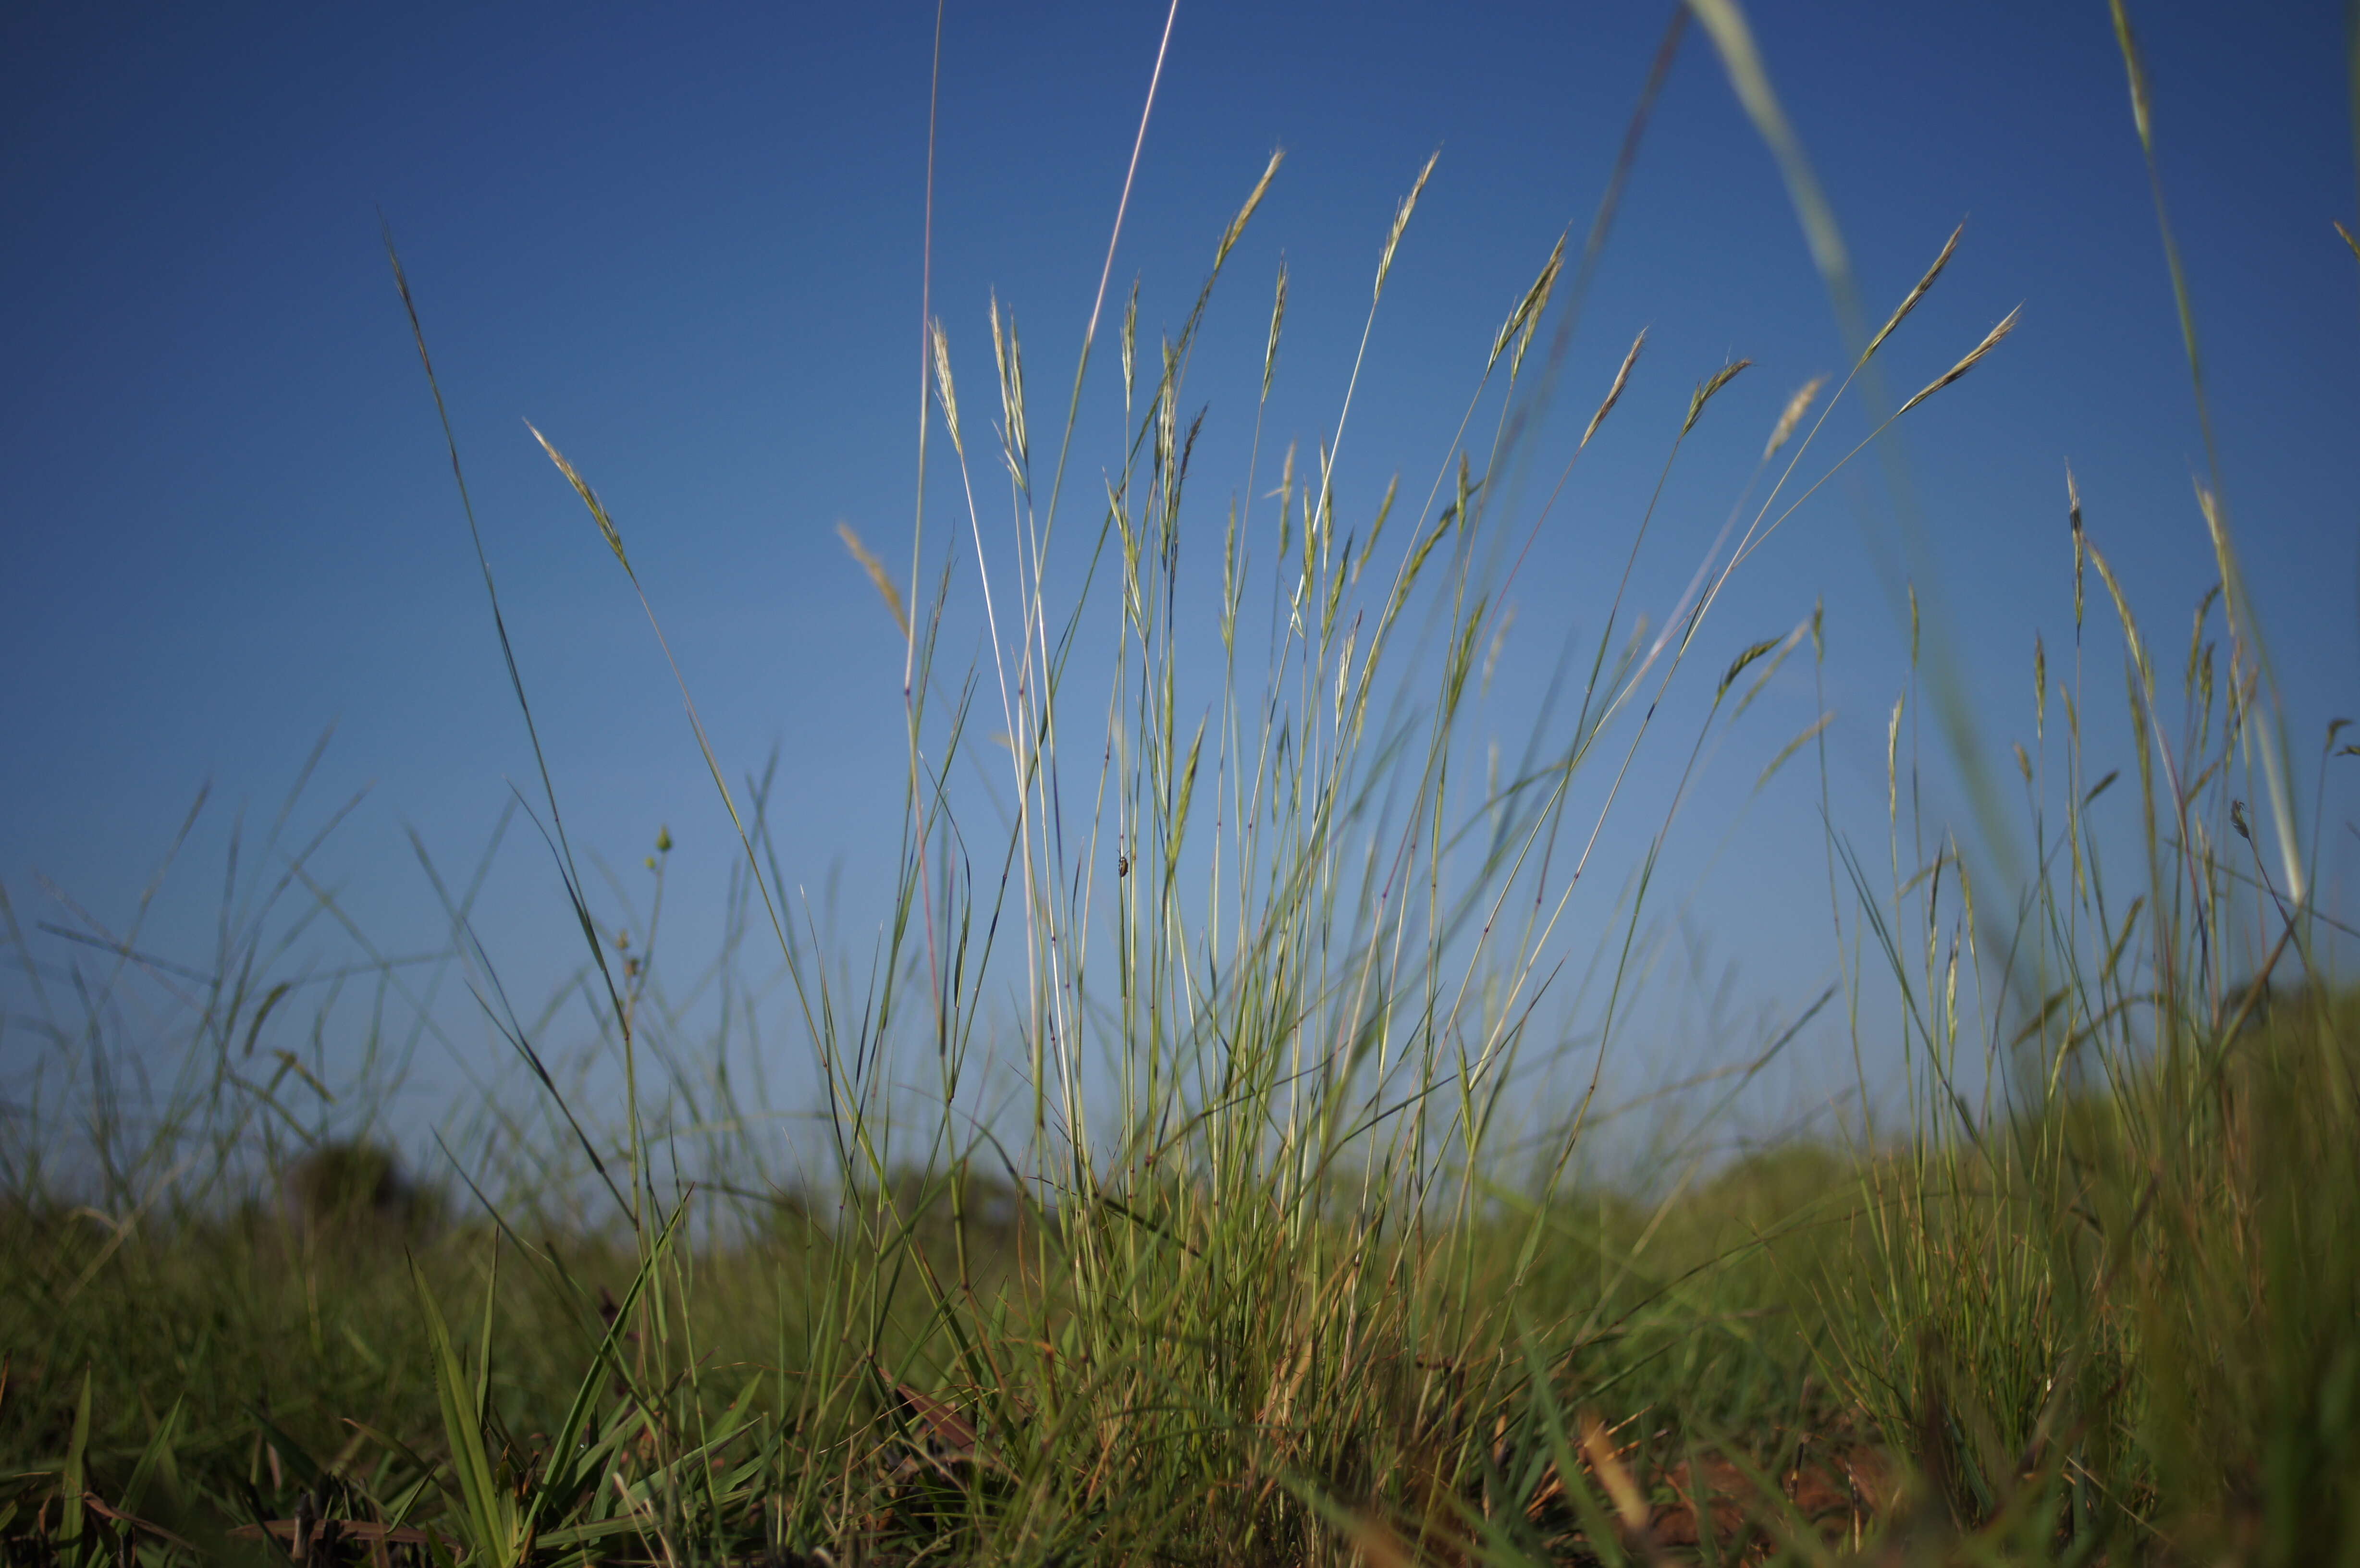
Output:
[[687, 244]]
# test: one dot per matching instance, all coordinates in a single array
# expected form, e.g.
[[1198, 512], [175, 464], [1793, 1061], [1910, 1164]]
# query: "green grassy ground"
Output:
[[2078, 1352], [1253, 1271]]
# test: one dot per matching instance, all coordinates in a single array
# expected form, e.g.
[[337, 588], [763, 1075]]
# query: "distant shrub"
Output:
[[351, 1189]]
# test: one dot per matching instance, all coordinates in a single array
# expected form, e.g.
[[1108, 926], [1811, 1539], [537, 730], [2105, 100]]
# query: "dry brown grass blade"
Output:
[[948, 1433], [98, 1505], [1622, 1489], [877, 574], [1614, 393], [1991, 340]]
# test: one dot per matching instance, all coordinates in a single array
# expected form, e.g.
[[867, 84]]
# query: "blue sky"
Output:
[[687, 245]]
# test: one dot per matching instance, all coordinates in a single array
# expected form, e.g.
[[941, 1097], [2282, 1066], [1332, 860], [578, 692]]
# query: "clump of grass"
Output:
[[2118, 1277], [1250, 1272]]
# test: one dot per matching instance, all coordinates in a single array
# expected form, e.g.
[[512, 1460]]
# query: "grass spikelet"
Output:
[[1706, 390], [945, 392], [1401, 222], [2040, 685], [2081, 553], [1277, 318], [1540, 307], [1245, 213], [877, 574], [1797, 407], [1527, 313], [1915, 294], [1424, 546], [1009, 357], [1808, 734], [2134, 644], [1893, 759], [1737, 666], [1130, 346], [1991, 340], [1614, 393], [1377, 529], [589, 498]]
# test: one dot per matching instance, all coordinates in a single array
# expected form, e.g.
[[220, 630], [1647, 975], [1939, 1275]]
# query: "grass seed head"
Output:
[[1009, 355], [1915, 294], [1401, 223], [1797, 407], [2073, 516], [1614, 393], [945, 392], [885, 590], [607, 528], [1991, 340], [1131, 345], [1245, 213], [2040, 685], [1277, 319], [1706, 388], [1527, 313], [1540, 308]]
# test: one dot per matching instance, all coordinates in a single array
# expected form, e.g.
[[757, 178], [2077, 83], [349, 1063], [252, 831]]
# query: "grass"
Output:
[[1263, 1264]]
